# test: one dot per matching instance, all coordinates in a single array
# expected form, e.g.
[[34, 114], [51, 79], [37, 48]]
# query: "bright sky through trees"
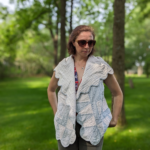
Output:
[[6, 3]]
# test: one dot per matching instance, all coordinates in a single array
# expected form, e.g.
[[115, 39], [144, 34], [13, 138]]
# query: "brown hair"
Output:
[[73, 36]]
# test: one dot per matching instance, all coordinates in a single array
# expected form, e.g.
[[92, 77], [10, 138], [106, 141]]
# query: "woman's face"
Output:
[[86, 50]]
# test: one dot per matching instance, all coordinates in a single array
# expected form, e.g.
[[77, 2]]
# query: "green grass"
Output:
[[136, 134], [26, 118]]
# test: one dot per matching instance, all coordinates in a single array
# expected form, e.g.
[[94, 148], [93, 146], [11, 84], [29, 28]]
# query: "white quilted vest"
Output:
[[94, 114]]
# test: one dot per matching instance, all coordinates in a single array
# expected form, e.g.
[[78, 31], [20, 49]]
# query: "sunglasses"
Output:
[[82, 43]]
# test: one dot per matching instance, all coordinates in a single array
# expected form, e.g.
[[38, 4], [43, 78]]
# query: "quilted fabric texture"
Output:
[[89, 101]]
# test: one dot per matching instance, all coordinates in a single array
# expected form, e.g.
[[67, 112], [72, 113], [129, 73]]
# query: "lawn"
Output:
[[26, 118]]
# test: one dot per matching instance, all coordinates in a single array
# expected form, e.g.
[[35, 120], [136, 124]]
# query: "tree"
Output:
[[71, 16], [63, 31], [119, 50]]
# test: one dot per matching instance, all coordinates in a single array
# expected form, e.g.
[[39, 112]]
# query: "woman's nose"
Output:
[[87, 45]]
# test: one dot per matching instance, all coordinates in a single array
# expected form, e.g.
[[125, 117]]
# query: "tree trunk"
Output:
[[131, 83], [56, 41], [55, 44], [71, 16], [54, 36], [63, 31], [118, 50]]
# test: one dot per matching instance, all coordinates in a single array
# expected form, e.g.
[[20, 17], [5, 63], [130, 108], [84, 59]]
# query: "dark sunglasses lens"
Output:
[[91, 43], [82, 43]]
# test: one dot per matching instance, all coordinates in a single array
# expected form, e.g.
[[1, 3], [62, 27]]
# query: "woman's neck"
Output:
[[79, 60]]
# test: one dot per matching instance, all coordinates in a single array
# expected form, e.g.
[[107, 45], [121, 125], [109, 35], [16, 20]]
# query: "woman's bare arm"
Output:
[[115, 89], [52, 94]]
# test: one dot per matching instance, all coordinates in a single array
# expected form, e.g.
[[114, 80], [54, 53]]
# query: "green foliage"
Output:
[[18, 41], [144, 9], [26, 33], [34, 55], [104, 35], [137, 35], [3, 12]]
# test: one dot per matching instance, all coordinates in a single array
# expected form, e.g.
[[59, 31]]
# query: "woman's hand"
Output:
[[113, 123]]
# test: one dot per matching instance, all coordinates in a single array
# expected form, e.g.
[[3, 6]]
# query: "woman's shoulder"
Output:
[[104, 65], [65, 60], [63, 64], [98, 59]]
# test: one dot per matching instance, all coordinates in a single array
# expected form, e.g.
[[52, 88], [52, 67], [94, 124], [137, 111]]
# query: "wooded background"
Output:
[[34, 35]]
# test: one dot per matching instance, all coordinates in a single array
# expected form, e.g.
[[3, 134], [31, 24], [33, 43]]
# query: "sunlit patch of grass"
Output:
[[26, 118]]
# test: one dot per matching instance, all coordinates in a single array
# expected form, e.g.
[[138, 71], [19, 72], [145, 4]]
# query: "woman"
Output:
[[82, 114]]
